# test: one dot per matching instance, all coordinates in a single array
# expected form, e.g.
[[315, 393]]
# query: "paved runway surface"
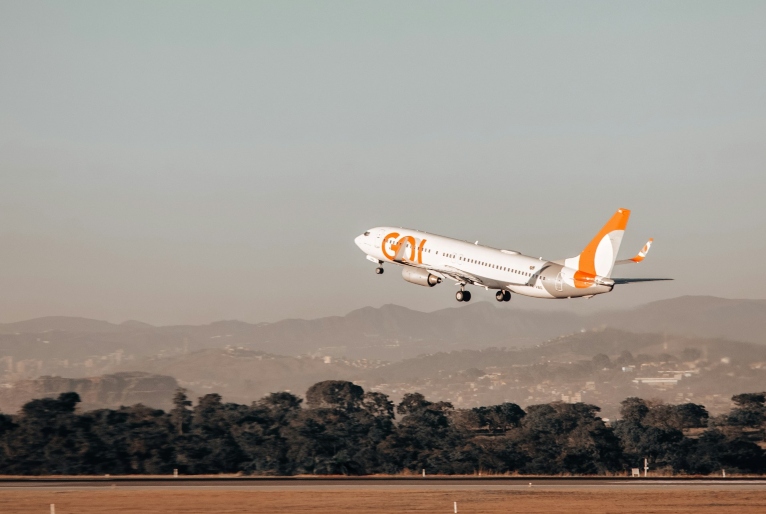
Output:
[[377, 483]]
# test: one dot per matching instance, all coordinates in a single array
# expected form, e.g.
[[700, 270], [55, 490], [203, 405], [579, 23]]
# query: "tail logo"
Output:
[[643, 252]]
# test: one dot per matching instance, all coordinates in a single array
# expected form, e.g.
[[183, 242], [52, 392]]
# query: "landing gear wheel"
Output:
[[506, 296], [500, 296], [460, 296], [466, 296], [379, 270]]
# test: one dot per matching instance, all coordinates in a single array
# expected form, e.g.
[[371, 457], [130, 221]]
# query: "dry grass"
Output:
[[594, 501]]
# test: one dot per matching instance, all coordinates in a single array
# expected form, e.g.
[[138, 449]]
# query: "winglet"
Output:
[[640, 256]]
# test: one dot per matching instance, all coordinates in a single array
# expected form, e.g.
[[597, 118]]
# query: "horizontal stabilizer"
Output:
[[631, 280]]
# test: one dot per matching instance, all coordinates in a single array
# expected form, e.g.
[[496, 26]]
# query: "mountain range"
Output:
[[389, 333]]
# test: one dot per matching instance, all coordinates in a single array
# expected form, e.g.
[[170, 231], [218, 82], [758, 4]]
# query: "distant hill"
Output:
[[108, 391], [392, 332], [389, 332], [245, 375], [54, 323], [702, 316], [571, 348]]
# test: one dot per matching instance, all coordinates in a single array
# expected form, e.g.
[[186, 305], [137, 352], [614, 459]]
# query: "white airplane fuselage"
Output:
[[491, 268], [428, 259]]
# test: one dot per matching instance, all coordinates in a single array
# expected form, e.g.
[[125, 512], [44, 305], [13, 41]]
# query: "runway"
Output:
[[372, 495], [376, 483]]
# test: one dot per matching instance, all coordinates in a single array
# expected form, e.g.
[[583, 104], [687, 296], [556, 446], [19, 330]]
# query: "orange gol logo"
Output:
[[416, 249]]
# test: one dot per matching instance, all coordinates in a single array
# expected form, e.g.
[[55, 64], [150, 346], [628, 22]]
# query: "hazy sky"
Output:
[[183, 162]]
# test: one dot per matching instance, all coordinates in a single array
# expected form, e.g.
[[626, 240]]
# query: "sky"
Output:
[[185, 162]]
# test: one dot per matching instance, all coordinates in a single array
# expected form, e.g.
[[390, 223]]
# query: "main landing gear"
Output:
[[503, 296], [463, 296], [379, 270]]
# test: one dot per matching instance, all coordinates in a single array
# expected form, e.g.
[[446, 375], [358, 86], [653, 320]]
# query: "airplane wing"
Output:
[[631, 280], [457, 275], [463, 277], [640, 256]]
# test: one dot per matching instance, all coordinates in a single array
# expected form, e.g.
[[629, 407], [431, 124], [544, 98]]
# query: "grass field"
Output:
[[389, 501]]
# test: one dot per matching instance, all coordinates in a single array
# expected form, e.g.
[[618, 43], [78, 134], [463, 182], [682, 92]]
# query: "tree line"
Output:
[[341, 429]]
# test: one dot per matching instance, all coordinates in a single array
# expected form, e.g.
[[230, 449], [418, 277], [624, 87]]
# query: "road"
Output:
[[375, 483]]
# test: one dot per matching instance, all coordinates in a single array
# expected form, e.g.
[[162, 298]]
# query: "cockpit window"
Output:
[[367, 233]]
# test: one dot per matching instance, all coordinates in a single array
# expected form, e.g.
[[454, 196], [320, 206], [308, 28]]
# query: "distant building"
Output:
[[571, 398], [659, 382]]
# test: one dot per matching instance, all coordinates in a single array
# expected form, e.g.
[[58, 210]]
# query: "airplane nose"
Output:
[[358, 241]]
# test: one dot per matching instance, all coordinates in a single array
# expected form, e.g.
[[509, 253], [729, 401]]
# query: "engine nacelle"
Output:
[[419, 276]]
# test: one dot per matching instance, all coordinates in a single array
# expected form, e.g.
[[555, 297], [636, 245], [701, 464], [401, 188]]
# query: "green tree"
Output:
[[601, 361], [750, 410], [338, 394], [499, 418], [562, 437], [181, 414], [412, 402]]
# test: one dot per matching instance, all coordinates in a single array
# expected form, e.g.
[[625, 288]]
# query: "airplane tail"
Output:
[[599, 256]]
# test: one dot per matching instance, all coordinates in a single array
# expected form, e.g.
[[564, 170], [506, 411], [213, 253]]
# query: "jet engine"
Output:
[[420, 277]]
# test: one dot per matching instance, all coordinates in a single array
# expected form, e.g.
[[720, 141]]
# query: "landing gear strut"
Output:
[[503, 296], [463, 296], [379, 270]]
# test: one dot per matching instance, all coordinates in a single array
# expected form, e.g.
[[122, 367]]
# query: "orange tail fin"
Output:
[[598, 257]]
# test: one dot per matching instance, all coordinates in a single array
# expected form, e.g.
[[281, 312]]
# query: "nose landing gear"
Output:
[[379, 270]]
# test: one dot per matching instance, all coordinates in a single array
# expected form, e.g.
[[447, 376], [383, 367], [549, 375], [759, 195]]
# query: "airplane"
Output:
[[429, 259]]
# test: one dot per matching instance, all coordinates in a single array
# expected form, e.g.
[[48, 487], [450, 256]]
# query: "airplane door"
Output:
[[559, 282]]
